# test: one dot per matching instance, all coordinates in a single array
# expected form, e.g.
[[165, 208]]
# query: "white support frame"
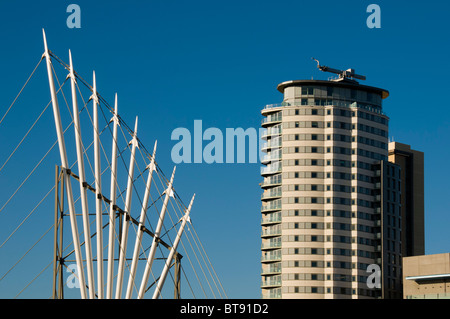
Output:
[[88, 287]]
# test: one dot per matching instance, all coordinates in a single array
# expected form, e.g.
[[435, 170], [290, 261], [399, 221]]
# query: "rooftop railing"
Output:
[[339, 103]]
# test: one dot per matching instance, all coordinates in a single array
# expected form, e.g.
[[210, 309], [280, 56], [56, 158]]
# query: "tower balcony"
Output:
[[271, 144], [271, 245], [271, 157], [271, 181], [271, 232], [271, 293], [271, 206], [271, 194], [271, 256], [271, 131], [271, 282], [272, 168], [271, 119], [271, 269], [273, 218]]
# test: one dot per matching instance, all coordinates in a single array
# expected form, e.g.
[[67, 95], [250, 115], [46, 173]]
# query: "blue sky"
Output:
[[220, 61]]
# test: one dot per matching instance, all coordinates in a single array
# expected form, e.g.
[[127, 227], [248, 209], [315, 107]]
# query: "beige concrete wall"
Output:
[[437, 264]]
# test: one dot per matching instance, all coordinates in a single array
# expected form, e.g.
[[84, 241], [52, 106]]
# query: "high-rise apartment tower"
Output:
[[326, 150]]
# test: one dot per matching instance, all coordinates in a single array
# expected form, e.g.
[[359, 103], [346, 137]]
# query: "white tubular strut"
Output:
[[126, 222], [112, 213], [148, 267], [82, 182], [65, 165], [163, 276], [98, 193], [131, 280]]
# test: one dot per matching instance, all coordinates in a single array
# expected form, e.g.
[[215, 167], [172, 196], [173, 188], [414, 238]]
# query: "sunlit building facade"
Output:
[[324, 148]]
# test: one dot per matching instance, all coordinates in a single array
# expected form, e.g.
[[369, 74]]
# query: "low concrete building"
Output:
[[426, 277]]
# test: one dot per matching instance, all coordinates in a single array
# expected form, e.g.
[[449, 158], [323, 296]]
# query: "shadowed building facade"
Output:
[[412, 201]]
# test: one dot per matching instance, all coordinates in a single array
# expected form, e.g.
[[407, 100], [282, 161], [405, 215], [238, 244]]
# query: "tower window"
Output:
[[329, 91], [307, 91]]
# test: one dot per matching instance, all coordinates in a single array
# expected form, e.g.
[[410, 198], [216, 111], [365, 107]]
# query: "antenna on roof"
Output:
[[348, 74]]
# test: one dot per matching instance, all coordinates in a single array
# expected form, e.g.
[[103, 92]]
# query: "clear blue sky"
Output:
[[173, 62]]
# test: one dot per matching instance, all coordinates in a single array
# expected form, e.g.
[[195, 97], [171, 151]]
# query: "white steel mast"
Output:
[[112, 213], [98, 192], [65, 165], [82, 182], [163, 276], [148, 267], [126, 223], [131, 280]]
